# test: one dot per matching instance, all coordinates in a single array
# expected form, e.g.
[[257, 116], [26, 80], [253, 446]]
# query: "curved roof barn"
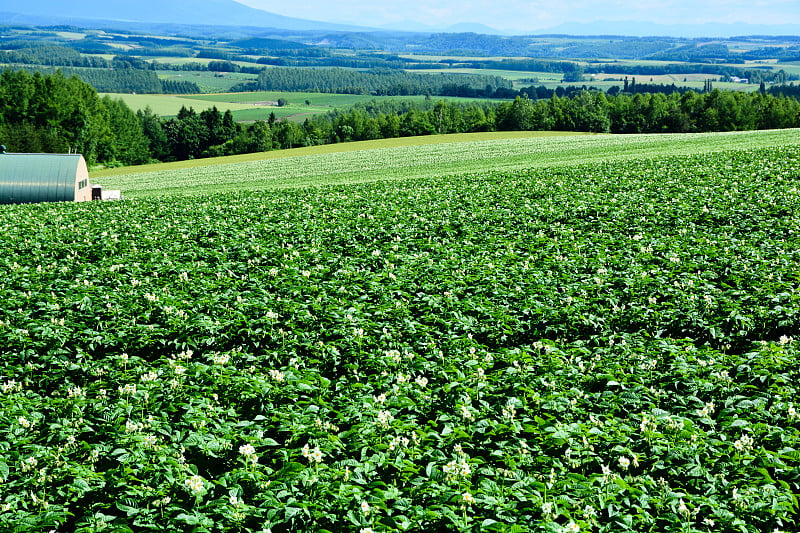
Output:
[[31, 178]]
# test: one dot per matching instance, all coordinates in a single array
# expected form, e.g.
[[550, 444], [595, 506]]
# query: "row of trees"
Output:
[[652, 112], [583, 111], [128, 80], [122, 80], [376, 81], [45, 54], [55, 55]]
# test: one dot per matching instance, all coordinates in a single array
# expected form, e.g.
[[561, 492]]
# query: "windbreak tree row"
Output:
[[193, 134]]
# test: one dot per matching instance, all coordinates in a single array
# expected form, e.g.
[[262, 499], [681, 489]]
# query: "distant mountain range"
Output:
[[180, 12], [232, 13]]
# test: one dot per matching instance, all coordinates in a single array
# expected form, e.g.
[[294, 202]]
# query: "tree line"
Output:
[[212, 133], [790, 90], [588, 111], [48, 55]]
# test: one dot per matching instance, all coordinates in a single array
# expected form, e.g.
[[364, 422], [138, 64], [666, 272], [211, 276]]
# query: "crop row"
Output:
[[603, 347]]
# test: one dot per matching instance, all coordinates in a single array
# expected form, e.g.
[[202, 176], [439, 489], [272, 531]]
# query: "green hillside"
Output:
[[404, 158]]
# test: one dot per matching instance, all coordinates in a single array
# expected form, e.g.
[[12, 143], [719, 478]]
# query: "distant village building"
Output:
[[33, 178]]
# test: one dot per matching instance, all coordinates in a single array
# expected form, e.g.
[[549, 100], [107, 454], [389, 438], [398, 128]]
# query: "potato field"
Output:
[[600, 347]]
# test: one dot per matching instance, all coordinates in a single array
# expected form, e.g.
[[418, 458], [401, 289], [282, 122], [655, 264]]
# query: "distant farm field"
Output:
[[519, 77], [251, 106], [245, 106], [168, 104], [209, 82]]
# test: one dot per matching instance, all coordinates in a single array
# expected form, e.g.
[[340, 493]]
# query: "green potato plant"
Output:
[[605, 347]]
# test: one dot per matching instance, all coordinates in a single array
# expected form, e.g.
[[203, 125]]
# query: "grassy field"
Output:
[[167, 105], [418, 157], [327, 100], [250, 106], [293, 98], [790, 68], [245, 106]]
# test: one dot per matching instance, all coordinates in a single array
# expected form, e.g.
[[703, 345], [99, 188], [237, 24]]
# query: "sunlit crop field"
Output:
[[605, 345], [415, 157]]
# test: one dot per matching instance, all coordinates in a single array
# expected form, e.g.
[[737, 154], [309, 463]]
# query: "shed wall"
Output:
[[31, 178]]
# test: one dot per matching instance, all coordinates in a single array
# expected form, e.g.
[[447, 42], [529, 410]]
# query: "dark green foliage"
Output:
[[577, 110], [127, 143], [790, 90], [47, 54], [653, 113], [190, 135], [53, 113], [179, 87], [223, 66], [153, 130], [125, 80]]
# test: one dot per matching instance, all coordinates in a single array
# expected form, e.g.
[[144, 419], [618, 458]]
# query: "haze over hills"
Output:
[[233, 13], [648, 29], [462, 27]]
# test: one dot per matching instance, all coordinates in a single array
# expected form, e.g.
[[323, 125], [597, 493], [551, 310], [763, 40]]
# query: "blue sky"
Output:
[[518, 15]]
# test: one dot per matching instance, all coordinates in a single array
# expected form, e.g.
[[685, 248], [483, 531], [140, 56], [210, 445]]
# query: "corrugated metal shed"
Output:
[[30, 178]]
